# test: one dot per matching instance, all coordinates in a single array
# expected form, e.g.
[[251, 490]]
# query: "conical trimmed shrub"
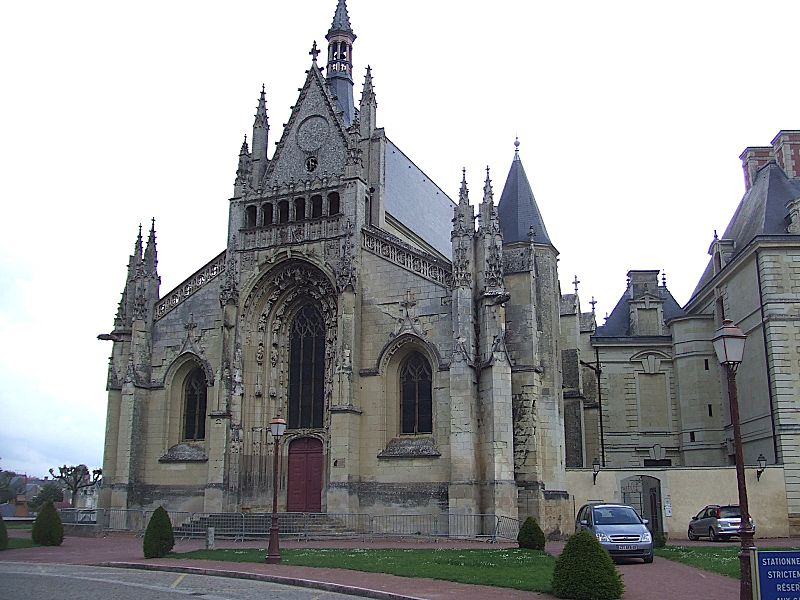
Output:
[[531, 535], [158, 537], [3, 534], [585, 571], [47, 528]]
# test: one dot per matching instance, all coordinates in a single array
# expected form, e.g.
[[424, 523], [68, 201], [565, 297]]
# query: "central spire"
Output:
[[340, 61]]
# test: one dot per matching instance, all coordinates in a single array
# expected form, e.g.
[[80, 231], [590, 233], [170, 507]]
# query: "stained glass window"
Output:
[[307, 369], [416, 415], [194, 413]]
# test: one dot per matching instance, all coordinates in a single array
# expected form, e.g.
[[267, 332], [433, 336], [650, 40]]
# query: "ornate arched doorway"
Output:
[[304, 478]]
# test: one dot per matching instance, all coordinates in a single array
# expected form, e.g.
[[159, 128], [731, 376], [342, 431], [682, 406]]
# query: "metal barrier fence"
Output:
[[241, 526]]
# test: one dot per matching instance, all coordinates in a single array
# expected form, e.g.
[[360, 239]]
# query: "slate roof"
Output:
[[762, 211], [517, 209], [417, 202], [618, 323]]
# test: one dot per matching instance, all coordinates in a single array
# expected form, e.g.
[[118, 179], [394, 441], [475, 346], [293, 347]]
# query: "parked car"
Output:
[[618, 528], [717, 522]]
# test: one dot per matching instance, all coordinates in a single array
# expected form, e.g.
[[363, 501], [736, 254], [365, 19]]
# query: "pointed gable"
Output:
[[517, 209], [315, 129]]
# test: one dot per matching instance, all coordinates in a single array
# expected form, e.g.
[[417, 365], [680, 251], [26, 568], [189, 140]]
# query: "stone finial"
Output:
[[516, 149], [463, 193], [488, 193], [314, 51]]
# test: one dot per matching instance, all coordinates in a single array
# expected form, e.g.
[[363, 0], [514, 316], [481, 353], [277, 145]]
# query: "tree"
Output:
[[158, 537], [76, 478], [49, 493], [47, 528], [11, 486]]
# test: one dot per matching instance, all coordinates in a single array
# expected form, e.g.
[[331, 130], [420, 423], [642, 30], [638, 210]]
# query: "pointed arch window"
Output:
[[307, 369], [194, 405], [416, 415]]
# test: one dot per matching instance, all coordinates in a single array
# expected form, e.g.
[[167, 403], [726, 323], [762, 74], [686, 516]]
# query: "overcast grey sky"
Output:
[[631, 117]]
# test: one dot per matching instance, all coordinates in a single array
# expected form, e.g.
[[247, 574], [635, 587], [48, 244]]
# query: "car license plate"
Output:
[[626, 547]]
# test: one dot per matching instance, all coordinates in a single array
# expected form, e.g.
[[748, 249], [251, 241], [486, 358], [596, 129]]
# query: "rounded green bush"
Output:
[[158, 537], [3, 534], [47, 528], [531, 535], [585, 571]]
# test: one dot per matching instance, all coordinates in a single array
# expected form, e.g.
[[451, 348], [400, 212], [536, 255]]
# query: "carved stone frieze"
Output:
[[416, 261], [199, 279]]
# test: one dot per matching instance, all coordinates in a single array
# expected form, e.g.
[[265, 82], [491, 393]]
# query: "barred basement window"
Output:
[[416, 414], [194, 405], [307, 370]]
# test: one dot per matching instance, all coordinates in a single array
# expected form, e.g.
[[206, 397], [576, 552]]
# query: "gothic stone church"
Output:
[[423, 356], [411, 345]]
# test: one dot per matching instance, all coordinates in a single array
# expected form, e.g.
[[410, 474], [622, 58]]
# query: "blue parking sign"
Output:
[[777, 575]]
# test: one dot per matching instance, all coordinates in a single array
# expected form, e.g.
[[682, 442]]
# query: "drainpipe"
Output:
[[766, 358], [597, 371]]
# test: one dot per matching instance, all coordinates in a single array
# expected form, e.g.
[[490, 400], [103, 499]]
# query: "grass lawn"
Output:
[[520, 569], [12, 525], [722, 560]]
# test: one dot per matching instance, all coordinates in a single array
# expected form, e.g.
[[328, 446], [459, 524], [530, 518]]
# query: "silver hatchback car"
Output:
[[717, 523], [618, 528]]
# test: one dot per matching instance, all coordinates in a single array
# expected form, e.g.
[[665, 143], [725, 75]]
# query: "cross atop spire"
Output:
[[575, 283], [593, 302], [516, 149], [314, 51]]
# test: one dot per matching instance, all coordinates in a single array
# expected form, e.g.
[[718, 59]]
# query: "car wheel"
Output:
[[713, 535], [691, 534], [648, 559]]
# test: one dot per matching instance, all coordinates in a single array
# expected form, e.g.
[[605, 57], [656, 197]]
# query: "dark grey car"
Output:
[[717, 522], [618, 528]]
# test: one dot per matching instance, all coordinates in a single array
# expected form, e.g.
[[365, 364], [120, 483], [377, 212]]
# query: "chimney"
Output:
[[786, 150], [753, 158]]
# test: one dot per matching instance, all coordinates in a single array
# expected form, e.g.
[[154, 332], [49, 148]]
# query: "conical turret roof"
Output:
[[517, 210], [341, 20]]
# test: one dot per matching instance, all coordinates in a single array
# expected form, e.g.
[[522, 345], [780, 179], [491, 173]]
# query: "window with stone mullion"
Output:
[[194, 420], [307, 370], [416, 414]]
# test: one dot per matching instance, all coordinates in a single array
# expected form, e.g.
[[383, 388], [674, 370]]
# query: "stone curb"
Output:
[[294, 581]]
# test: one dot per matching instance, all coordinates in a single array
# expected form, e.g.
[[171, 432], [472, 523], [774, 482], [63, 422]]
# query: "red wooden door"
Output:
[[304, 491]]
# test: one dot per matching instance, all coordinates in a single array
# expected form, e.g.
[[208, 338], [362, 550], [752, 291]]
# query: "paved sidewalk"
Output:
[[661, 579]]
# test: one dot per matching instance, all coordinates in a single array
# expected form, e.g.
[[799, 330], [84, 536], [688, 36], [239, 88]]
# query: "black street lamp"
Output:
[[277, 426], [729, 347], [595, 470]]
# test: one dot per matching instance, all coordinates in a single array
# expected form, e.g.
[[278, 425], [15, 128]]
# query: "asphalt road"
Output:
[[25, 581]]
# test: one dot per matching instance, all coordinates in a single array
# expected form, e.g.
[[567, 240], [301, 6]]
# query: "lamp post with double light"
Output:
[[729, 347], [277, 426]]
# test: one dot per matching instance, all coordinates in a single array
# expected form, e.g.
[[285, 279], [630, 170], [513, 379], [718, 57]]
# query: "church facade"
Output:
[[423, 355], [411, 345]]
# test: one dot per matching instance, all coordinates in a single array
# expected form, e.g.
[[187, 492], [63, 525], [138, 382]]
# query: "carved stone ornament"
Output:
[[517, 260], [493, 275], [462, 274], [411, 447], [229, 291], [344, 269], [184, 452]]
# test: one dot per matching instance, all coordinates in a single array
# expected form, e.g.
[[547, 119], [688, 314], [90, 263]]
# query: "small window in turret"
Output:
[[283, 211], [333, 203], [250, 216], [299, 209]]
